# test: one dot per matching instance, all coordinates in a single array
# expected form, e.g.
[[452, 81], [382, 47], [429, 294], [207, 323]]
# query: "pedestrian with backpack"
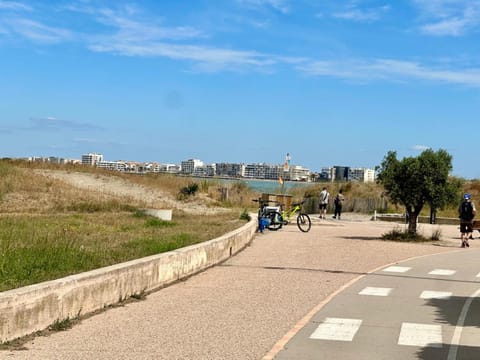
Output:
[[466, 213], [338, 203]]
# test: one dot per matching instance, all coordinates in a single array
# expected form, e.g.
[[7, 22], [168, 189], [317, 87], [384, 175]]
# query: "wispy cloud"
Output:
[[278, 5], [448, 17], [14, 5], [92, 141], [210, 57], [138, 37], [129, 29], [390, 70], [52, 123], [354, 13], [37, 32], [420, 147]]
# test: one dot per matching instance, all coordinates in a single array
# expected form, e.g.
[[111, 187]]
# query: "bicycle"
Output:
[[303, 220], [268, 216]]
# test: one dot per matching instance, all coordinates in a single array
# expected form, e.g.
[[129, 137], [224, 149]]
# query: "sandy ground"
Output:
[[241, 308], [117, 187]]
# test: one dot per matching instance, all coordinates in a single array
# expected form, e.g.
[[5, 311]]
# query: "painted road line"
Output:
[[421, 335], [337, 329], [442, 272], [457, 334], [427, 294], [375, 291], [397, 269]]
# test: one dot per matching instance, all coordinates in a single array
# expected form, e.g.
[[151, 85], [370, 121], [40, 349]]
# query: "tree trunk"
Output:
[[433, 216], [412, 222]]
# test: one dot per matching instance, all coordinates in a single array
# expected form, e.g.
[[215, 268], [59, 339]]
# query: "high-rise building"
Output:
[[91, 159], [189, 166]]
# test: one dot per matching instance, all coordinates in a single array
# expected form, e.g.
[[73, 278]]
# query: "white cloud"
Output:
[[448, 17], [361, 15], [14, 5], [390, 70], [355, 11], [52, 123], [453, 27], [420, 147], [38, 32], [139, 37], [215, 57], [278, 5], [129, 29]]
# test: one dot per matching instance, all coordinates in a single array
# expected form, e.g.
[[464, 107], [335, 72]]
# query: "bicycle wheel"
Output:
[[276, 221], [304, 223]]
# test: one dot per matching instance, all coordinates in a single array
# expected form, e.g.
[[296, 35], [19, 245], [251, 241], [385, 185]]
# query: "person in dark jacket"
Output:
[[466, 213], [338, 203]]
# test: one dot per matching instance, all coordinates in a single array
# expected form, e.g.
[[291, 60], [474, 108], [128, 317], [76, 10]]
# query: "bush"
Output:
[[189, 190], [398, 234], [245, 215]]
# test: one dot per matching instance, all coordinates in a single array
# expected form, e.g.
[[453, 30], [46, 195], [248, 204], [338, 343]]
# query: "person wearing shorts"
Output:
[[324, 196], [466, 212]]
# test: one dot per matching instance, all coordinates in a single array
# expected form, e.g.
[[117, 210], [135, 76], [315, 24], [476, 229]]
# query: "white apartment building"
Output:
[[263, 171], [112, 165], [298, 173], [205, 170], [361, 174], [91, 159], [170, 168], [188, 166], [230, 170]]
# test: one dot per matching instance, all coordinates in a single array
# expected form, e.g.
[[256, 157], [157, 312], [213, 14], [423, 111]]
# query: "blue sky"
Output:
[[330, 82]]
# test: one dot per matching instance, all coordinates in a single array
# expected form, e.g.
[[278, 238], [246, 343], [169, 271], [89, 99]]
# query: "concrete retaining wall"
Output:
[[32, 308]]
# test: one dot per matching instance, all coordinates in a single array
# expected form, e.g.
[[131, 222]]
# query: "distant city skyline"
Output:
[[286, 161], [330, 82]]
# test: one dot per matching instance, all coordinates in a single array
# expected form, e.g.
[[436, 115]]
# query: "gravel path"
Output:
[[240, 309]]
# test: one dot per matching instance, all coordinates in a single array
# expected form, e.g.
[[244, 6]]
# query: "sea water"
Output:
[[269, 186]]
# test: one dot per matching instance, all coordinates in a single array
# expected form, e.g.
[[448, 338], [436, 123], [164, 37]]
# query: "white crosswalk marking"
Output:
[[337, 329], [436, 295], [420, 335], [397, 269], [375, 291], [442, 272]]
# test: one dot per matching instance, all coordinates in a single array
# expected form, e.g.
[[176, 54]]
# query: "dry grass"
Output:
[[50, 229]]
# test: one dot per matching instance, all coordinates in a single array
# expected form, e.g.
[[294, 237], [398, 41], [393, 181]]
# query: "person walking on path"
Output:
[[338, 202], [466, 213], [324, 197]]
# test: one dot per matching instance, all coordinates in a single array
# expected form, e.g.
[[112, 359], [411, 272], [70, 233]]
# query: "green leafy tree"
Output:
[[416, 181]]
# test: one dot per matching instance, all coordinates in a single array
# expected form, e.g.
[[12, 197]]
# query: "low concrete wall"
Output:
[[32, 308]]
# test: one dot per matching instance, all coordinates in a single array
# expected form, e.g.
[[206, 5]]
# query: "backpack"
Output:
[[466, 211], [337, 200]]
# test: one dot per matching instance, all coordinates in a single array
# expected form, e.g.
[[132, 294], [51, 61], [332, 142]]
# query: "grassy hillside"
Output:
[[50, 229]]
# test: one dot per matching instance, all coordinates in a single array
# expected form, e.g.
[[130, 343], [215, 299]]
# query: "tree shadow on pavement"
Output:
[[461, 313], [361, 238]]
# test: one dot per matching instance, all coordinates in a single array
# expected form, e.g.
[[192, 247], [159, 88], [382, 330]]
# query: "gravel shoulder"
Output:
[[241, 308]]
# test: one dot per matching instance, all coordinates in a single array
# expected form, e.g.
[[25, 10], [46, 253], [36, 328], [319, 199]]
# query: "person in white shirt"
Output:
[[324, 197]]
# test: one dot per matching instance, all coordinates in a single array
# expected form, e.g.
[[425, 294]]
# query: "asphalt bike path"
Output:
[[425, 308]]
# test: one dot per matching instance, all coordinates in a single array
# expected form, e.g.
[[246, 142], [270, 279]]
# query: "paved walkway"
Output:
[[243, 308], [425, 308]]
